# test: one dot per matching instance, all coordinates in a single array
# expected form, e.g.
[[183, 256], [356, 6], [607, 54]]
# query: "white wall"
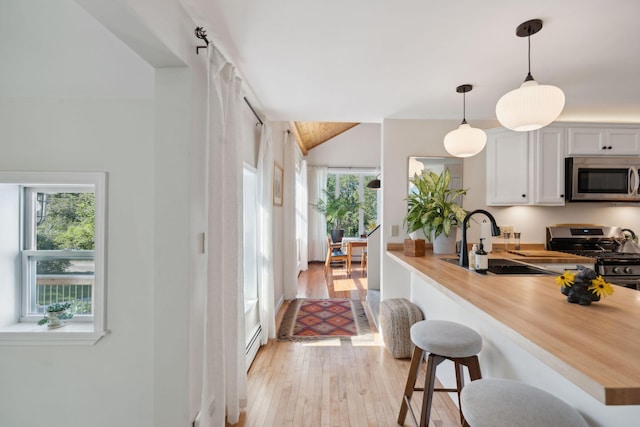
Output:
[[9, 261], [98, 106], [357, 147], [111, 382], [404, 138], [278, 130], [43, 58]]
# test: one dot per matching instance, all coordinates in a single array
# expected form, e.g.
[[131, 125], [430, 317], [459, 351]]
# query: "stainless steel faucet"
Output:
[[495, 231]]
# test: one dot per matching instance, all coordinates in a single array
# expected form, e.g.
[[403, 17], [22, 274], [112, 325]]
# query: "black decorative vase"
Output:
[[579, 292]]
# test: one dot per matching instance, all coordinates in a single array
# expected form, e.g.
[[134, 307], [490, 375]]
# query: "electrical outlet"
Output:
[[506, 229], [395, 231]]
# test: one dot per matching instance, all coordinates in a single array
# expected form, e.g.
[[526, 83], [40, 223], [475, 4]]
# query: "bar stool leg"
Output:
[[459, 385], [474, 369], [416, 358], [473, 366], [429, 382]]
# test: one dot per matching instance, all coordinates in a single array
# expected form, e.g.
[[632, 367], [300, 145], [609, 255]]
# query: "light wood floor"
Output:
[[332, 383]]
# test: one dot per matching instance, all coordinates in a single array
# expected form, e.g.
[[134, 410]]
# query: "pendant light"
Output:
[[465, 141], [531, 106], [374, 184]]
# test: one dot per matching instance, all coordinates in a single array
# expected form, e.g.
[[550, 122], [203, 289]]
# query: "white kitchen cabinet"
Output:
[[525, 168], [605, 141], [548, 166], [507, 167]]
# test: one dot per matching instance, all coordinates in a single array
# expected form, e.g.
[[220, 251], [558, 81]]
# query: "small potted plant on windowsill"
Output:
[[55, 314]]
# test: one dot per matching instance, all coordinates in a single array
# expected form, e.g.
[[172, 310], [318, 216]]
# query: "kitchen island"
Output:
[[586, 355]]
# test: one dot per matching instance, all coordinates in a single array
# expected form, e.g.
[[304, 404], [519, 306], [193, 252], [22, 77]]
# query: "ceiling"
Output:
[[312, 134], [366, 60]]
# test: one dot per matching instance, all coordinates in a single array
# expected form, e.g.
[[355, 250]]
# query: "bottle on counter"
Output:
[[481, 258], [472, 257]]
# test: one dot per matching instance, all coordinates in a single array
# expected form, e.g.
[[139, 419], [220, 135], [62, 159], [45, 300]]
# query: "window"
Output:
[[58, 258], [52, 228], [354, 185]]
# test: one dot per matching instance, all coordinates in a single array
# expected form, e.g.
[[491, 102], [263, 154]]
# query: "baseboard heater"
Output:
[[253, 346]]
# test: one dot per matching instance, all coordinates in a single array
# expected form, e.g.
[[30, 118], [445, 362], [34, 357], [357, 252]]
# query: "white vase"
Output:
[[444, 244], [54, 319]]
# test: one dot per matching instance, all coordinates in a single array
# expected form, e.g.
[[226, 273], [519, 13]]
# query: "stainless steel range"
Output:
[[616, 261]]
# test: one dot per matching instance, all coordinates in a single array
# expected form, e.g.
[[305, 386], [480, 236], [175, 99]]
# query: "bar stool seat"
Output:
[[448, 339], [507, 403], [443, 340]]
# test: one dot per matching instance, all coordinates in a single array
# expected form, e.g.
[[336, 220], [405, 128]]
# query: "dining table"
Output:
[[350, 243]]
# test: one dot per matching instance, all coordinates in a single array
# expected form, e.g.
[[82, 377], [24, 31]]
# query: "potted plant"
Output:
[[336, 210], [55, 314], [432, 209]]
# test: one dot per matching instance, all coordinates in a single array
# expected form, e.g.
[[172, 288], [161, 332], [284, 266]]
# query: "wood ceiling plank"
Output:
[[311, 134]]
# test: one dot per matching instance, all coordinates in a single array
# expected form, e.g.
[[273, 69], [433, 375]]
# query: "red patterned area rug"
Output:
[[313, 319]]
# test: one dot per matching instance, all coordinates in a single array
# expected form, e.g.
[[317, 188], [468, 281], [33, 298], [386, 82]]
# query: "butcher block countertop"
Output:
[[597, 347], [541, 256]]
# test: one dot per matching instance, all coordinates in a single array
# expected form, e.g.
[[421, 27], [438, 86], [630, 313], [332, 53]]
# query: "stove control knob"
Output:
[[616, 270], [627, 270]]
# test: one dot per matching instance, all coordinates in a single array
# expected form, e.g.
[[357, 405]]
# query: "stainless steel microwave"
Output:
[[601, 179]]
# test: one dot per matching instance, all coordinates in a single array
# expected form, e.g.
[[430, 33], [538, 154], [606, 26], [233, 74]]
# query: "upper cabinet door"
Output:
[[507, 168], [623, 141], [548, 168], [586, 141]]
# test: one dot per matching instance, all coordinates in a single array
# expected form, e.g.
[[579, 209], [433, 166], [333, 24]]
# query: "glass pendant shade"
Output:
[[465, 141], [530, 107]]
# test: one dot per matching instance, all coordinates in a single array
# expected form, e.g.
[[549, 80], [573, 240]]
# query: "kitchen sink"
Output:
[[503, 266]]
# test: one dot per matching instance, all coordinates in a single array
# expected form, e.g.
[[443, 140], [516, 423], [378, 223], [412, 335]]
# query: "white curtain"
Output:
[[317, 220], [304, 217], [265, 235], [290, 254], [225, 365]]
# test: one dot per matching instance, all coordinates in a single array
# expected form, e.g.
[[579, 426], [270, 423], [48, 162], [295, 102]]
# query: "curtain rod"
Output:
[[202, 35], [355, 169], [253, 111]]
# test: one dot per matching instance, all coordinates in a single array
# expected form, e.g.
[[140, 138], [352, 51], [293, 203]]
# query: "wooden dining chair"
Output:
[[363, 261], [334, 253]]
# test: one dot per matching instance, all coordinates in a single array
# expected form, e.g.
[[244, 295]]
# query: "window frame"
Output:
[[24, 331], [361, 173]]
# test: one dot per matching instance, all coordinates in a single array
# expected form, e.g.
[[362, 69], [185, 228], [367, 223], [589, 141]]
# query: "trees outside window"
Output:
[[59, 249], [352, 185]]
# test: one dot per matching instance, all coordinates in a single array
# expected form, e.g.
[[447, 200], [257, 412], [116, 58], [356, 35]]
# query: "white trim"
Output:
[[26, 334]]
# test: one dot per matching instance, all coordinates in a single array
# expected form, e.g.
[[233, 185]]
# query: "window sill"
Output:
[[73, 333]]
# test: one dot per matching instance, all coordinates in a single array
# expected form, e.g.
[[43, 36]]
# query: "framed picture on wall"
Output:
[[277, 185]]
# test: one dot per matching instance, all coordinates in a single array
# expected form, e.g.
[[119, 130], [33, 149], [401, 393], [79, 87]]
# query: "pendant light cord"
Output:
[[464, 108], [529, 76]]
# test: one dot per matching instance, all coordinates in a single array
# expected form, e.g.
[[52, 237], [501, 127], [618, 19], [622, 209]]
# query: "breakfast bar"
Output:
[[585, 355]]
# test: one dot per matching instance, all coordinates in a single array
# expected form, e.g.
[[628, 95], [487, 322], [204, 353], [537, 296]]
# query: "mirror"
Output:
[[438, 165]]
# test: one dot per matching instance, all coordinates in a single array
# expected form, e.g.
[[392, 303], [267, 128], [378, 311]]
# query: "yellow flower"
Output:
[[565, 280], [600, 287]]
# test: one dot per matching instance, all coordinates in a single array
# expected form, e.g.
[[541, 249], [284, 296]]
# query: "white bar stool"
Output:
[[443, 340], [506, 403]]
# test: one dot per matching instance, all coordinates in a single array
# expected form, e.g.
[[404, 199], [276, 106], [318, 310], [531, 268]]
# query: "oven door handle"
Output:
[[633, 181]]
